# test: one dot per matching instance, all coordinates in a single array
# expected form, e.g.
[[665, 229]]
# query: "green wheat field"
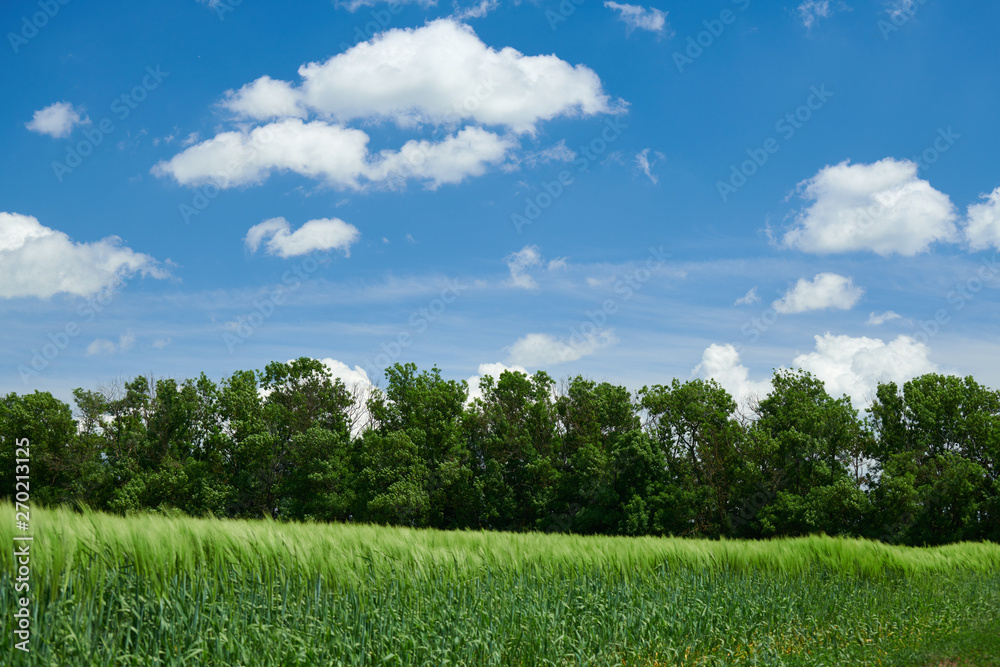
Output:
[[156, 590]]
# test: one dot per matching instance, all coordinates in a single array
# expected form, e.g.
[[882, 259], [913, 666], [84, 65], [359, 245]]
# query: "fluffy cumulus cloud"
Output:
[[336, 155], [317, 150], [637, 17], [322, 234], [57, 120], [539, 350], [982, 230], [360, 385], [826, 290], [438, 73], [495, 371], [353, 378], [846, 365], [881, 207], [36, 261], [855, 366], [722, 364], [469, 152]]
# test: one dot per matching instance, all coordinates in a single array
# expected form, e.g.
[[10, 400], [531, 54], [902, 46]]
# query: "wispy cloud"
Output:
[[637, 17]]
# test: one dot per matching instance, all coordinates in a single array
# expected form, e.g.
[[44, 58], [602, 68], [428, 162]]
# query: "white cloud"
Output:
[[36, 261], [826, 290], [637, 17], [556, 153], [538, 350], [161, 343], [357, 382], [495, 370], [337, 155], [467, 153], [354, 5], [846, 365], [749, 298], [322, 234], [104, 346], [983, 227], [317, 150], [477, 11], [57, 120], [519, 262], [439, 73], [352, 378], [265, 99], [901, 8], [557, 264], [601, 282], [855, 366], [882, 318], [811, 11], [646, 165], [881, 207], [722, 364]]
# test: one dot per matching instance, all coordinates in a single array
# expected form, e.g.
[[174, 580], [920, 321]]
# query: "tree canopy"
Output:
[[921, 466]]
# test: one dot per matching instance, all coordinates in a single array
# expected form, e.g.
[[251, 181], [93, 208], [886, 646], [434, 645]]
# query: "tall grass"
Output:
[[159, 590]]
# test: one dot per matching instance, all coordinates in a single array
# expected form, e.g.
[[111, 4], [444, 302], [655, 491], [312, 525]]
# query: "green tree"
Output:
[[700, 443], [593, 418], [936, 454], [62, 467], [810, 438], [511, 436], [428, 410]]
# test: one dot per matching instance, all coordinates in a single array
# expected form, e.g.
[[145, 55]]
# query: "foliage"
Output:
[[590, 458]]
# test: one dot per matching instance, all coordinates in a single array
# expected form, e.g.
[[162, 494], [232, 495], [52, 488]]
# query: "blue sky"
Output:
[[628, 192]]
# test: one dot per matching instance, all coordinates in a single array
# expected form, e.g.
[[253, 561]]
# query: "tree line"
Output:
[[293, 442]]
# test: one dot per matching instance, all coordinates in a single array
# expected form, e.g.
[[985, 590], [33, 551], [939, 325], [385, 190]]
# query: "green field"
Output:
[[153, 590]]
